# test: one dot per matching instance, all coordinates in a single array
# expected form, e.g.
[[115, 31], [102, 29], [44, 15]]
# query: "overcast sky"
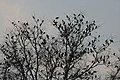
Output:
[[105, 12]]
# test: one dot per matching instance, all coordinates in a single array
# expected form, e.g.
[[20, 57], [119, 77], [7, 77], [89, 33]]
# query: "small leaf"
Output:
[[12, 22], [57, 18], [83, 16], [12, 37], [103, 44], [37, 19], [53, 37], [86, 22], [92, 62], [33, 17], [74, 14], [94, 71], [98, 36], [111, 41], [78, 14], [47, 36], [100, 57], [93, 55], [116, 66], [81, 20], [96, 27], [114, 54], [42, 21], [108, 62], [95, 76], [68, 17], [27, 24]]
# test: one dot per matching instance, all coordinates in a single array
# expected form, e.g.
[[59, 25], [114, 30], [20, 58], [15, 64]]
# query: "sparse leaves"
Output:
[[30, 53]]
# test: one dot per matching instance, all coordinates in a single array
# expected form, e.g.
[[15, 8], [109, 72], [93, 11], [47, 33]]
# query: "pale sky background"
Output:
[[105, 12]]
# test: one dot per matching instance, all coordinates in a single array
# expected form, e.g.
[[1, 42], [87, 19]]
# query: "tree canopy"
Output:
[[32, 54]]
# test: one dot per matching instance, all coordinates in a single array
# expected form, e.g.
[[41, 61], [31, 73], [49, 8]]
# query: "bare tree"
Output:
[[32, 54]]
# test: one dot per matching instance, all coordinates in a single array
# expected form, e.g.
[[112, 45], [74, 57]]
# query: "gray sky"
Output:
[[105, 12]]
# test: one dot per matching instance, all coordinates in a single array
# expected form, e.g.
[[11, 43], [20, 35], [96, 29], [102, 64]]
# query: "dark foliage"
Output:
[[32, 54]]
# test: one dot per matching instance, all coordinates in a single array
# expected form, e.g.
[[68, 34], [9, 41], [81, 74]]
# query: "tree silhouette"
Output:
[[32, 54]]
